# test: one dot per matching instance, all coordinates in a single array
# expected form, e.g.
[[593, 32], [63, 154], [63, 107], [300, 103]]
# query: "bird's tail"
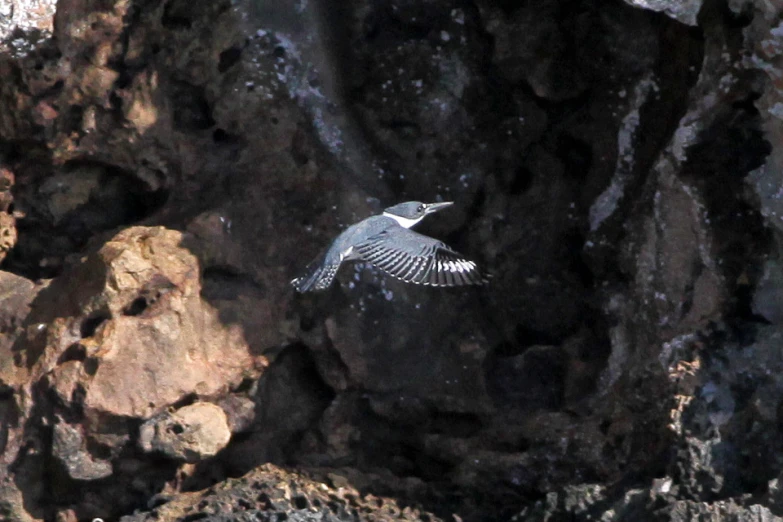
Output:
[[318, 276]]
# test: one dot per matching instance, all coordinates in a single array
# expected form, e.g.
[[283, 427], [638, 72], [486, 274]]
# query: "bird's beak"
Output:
[[430, 208]]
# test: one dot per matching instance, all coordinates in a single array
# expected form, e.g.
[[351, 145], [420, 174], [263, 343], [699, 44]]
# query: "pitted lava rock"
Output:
[[167, 166]]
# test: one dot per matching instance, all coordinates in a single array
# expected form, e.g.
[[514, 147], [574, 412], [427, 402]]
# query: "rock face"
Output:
[[141, 338], [166, 167], [191, 433], [271, 493]]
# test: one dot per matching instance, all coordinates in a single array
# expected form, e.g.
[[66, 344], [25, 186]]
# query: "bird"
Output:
[[386, 242]]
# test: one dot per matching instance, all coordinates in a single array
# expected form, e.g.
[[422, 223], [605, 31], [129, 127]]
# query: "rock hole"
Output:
[[136, 307], [174, 16], [6, 392], [77, 399], [193, 111], [279, 51], [576, 155], [187, 400], [264, 500], [124, 80], [115, 102], [300, 502], [75, 352], [521, 181], [245, 504], [228, 58], [177, 429], [219, 136], [91, 365], [90, 325], [281, 516], [98, 450], [245, 386]]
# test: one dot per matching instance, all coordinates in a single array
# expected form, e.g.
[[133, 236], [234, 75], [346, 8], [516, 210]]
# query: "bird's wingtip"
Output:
[[297, 284]]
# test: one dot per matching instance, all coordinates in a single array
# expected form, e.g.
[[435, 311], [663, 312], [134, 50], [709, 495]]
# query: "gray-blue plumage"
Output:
[[386, 242]]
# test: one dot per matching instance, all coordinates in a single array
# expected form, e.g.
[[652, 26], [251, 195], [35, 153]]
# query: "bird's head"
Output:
[[411, 212]]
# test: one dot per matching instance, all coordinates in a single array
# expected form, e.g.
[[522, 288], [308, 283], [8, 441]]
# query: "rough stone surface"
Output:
[[24, 24], [166, 167], [191, 433], [68, 445], [270, 493], [685, 11], [141, 338]]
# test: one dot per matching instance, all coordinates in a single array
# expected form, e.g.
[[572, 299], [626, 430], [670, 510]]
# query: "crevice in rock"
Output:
[[91, 323], [75, 352], [177, 16], [229, 58], [192, 111], [136, 307], [149, 296], [91, 365], [576, 156], [187, 400], [222, 138], [65, 209], [521, 181]]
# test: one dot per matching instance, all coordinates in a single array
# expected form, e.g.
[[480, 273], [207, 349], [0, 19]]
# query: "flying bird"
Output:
[[387, 243]]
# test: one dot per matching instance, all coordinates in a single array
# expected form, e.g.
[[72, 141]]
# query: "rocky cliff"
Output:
[[167, 166]]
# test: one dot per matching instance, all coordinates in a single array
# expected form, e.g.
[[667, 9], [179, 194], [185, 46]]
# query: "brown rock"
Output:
[[192, 433], [7, 180], [8, 235], [272, 493], [139, 337], [16, 294]]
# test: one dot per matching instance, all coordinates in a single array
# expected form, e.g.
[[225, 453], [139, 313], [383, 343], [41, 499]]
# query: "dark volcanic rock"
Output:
[[166, 167]]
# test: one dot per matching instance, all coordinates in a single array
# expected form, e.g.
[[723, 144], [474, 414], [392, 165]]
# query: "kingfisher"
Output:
[[386, 242]]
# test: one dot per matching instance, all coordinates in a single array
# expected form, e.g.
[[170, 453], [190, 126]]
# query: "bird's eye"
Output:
[[420, 209]]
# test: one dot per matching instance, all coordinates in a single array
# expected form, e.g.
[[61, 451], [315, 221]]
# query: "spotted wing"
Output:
[[415, 258]]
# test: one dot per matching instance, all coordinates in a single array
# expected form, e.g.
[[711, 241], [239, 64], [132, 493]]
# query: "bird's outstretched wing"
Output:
[[415, 258]]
